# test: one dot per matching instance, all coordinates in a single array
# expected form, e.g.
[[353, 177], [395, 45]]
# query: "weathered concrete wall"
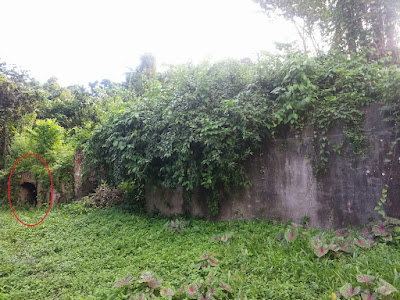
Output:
[[166, 201], [351, 190], [27, 190], [23, 194], [171, 202], [82, 186], [282, 184], [284, 187]]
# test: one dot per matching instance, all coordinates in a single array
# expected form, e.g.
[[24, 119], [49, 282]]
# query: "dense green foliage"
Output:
[[346, 25], [72, 107], [77, 110], [79, 251], [135, 80], [196, 125], [187, 129], [19, 97], [50, 121]]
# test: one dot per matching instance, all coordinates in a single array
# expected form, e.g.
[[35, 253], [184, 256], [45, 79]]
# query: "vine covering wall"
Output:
[[283, 185]]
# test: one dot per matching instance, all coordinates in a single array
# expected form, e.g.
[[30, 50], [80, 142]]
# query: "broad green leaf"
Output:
[[385, 288]]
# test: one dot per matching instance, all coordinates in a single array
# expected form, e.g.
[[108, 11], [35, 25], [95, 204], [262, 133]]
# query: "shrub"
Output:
[[208, 289], [207, 261], [387, 230], [104, 196]]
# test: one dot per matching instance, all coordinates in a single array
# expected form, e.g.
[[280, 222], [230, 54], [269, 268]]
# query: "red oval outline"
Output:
[[9, 183]]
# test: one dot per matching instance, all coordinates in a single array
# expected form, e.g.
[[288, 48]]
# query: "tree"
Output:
[[72, 106], [135, 80], [19, 96], [347, 25], [147, 65]]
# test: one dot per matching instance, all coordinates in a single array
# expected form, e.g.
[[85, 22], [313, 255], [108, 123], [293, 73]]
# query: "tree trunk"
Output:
[[378, 32], [391, 16], [5, 143]]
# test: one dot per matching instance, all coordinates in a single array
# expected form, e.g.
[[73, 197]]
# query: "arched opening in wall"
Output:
[[29, 193]]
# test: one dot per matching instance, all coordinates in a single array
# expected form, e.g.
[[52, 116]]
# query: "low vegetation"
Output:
[[80, 252]]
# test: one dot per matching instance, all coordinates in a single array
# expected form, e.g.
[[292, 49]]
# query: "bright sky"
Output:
[[80, 41]]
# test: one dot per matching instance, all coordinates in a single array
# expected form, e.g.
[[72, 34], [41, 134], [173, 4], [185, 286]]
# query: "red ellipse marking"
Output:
[[51, 196]]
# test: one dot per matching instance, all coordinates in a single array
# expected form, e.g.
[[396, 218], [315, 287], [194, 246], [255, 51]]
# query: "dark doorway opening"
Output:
[[30, 193]]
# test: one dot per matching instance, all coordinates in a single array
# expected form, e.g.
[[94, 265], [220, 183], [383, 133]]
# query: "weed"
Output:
[[175, 226], [372, 288], [224, 239]]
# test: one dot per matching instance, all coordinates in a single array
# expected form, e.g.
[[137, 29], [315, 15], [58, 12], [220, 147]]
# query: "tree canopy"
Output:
[[347, 25], [19, 96]]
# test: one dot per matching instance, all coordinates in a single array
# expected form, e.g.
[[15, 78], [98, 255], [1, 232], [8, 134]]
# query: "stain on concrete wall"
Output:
[[166, 201]]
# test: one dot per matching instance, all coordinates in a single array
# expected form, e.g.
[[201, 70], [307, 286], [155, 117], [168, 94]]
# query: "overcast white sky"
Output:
[[80, 41]]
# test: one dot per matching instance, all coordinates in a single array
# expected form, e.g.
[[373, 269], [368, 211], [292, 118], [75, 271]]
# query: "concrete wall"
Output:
[[284, 187], [171, 202], [166, 201], [83, 186], [23, 194]]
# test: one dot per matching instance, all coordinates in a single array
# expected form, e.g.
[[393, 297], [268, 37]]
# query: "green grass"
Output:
[[78, 251]]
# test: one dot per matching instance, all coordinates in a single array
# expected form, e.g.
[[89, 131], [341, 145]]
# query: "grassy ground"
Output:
[[77, 252]]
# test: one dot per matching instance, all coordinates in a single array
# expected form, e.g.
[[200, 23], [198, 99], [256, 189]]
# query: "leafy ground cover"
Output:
[[82, 253]]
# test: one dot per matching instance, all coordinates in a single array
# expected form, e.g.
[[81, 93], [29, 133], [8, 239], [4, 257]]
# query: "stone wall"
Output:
[[171, 202], [284, 186], [82, 186], [28, 184]]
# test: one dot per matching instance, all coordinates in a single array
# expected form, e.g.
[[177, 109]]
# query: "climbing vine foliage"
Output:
[[196, 126]]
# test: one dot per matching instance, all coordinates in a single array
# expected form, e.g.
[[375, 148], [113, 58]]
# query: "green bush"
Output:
[[104, 196]]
